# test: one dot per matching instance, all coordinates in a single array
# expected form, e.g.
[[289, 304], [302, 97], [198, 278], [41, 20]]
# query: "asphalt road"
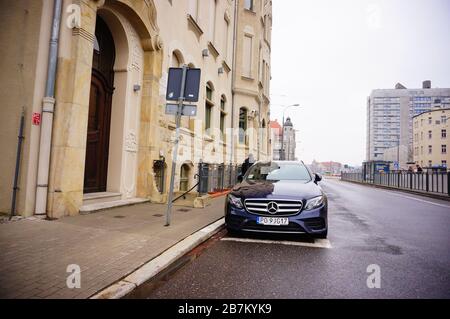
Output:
[[407, 236]]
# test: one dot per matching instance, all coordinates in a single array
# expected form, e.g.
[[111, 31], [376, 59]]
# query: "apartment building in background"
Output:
[[328, 168], [99, 135], [390, 115], [432, 138]]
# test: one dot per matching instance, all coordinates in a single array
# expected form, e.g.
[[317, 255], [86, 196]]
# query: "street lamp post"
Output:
[[283, 155]]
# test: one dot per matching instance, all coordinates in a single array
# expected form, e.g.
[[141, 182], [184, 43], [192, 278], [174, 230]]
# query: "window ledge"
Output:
[[208, 138], [213, 49], [250, 11], [195, 25], [226, 66], [247, 78]]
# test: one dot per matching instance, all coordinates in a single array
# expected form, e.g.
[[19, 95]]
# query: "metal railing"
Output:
[[428, 182], [217, 177]]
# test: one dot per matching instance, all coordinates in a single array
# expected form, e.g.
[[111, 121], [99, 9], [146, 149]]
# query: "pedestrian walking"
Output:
[[249, 161]]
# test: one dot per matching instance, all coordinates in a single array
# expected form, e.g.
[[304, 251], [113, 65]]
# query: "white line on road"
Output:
[[416, 199], [394, 193], [318, 243]]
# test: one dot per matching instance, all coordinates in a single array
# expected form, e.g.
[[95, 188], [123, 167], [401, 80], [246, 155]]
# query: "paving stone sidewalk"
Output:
[[108, 245]]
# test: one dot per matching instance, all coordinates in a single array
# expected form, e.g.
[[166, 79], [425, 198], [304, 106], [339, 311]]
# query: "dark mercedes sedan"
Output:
[[278, 197]]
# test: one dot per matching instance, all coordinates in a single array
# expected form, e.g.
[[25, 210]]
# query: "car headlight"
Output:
[[314, 203], [235, 201]]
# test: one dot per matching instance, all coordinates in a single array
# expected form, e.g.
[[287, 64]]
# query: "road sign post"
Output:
[[175, 150], [187, 80]]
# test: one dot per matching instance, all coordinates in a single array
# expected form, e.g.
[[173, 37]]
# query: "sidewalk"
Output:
[[108, 245]]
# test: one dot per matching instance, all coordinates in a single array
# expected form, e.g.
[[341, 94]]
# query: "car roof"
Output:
[[282, 162]]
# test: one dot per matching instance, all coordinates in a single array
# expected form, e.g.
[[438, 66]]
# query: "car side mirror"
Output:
[[240, 178], [317, 178]]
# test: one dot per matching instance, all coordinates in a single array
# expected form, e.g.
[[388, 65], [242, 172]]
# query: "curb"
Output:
[[158, 264], [429, 195]]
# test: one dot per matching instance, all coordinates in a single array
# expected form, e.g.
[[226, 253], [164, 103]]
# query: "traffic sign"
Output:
[[191, 87], [187, 110]]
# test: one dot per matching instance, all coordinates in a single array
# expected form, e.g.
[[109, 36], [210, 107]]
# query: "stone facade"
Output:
[[149, 37]]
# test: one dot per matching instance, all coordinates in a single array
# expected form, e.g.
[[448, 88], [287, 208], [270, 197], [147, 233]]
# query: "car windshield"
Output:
[[278, 172]]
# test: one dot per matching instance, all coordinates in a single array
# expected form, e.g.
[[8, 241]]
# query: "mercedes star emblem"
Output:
[[272, 208]]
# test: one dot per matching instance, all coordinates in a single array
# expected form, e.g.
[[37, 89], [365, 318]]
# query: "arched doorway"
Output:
[[99, 122]]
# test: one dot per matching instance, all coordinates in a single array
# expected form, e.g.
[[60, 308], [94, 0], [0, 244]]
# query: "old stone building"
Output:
[[97, 130]]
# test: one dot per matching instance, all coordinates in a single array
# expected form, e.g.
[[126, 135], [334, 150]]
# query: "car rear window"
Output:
[[278, 172]]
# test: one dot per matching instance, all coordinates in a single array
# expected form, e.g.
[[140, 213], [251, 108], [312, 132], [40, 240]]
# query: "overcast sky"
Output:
[[328, 55]]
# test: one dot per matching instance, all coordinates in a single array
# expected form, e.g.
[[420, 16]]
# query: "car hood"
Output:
[[277, 190]]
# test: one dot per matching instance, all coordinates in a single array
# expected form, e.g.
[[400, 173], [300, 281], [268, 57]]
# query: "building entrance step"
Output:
[[95, 207]]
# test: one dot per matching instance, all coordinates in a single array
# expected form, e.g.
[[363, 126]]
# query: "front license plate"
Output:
[[273, 221]]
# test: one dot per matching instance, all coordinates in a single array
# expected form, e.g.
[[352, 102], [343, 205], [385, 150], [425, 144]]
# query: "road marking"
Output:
[[318, 243], [410, 197], [416, 199]]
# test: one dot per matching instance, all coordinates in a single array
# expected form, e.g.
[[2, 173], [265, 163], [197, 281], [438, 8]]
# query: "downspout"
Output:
[[48, 107], [233, 85]]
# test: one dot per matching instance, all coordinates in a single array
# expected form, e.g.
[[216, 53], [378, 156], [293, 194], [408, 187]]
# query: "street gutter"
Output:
[[157, 265]]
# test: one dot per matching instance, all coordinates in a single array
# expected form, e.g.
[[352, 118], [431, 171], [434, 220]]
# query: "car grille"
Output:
[[262, 207]]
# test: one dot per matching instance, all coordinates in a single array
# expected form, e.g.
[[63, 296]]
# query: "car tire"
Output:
[[232, 232]]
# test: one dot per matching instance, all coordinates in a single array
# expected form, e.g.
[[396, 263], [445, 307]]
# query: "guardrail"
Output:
[[437, 183]]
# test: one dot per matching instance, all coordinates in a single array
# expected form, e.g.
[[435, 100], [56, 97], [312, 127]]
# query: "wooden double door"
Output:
[[100, 102]]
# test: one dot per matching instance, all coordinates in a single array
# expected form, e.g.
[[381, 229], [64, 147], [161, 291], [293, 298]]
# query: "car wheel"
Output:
[[232, 232]]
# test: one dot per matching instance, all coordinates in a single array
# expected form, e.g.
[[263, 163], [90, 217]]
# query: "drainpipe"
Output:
[[48, 107], [233, 85]]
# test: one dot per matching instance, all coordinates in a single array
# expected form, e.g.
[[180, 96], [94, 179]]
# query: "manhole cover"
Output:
[[158, 215], [184, 210], [119, 217]]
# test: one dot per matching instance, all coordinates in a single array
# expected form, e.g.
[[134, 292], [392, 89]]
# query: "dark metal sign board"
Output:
[[188, 110], [191, 91]]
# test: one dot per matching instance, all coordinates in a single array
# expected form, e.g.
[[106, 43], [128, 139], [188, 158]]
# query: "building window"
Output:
[[430, 135], [443, 119], [184, 178], [444, 133], [242, 125], [193, 9], [176, 60], [248, 5], [208, 106], [430, 120], [212, 20], [223, 115], [444, 149], [430, 163], [247, 58], [430, 149], [226, 37]]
